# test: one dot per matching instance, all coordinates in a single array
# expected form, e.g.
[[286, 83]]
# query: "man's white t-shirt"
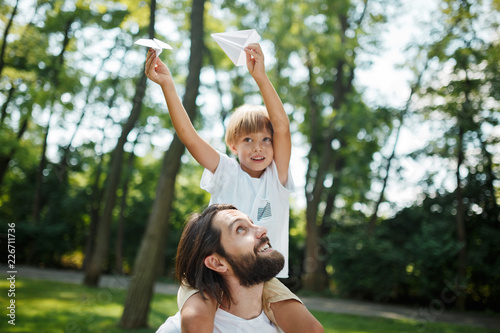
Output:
[[265, 200], [225, 323]]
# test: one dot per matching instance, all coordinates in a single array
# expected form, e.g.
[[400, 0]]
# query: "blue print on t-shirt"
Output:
[[264, 211]]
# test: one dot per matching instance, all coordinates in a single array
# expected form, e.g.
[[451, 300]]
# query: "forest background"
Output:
[[93, 177]]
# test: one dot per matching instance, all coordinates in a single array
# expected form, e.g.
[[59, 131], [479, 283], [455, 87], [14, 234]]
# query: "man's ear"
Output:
[[215, 263]]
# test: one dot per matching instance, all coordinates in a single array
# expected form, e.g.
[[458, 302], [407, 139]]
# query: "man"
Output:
[[226, 257]]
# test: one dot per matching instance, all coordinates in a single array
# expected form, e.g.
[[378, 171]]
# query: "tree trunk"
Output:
[[315, 277], [97, 190], [5, 159], [313, 198], [99, 256], [95, 200], [461, 233], [153, 243], [37, 199], [121, 219], [139, 295], [460, 217], [3, 113]]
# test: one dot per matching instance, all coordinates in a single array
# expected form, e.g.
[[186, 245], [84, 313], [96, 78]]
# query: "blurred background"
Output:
[[394, 108]]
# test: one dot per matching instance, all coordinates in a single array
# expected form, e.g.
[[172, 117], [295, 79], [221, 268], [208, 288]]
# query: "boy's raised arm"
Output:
[[282, 142], [202, 152]]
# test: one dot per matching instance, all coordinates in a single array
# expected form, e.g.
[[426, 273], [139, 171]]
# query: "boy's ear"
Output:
[[215, 263], [233, 149]]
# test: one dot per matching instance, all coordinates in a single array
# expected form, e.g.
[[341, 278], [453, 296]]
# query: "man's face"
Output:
[[247, 248]]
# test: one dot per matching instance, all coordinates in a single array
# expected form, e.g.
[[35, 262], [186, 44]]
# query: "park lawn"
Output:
[[52, 307]]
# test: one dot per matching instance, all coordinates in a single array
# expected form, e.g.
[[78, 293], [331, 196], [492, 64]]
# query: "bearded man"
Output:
[[228, 259]]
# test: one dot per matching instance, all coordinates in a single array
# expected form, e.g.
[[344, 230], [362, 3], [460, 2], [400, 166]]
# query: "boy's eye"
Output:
[[247, 140], [268, 139]]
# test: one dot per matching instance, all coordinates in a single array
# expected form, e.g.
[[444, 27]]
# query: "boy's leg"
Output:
[[292, 316], [286, 310], [198, 314]]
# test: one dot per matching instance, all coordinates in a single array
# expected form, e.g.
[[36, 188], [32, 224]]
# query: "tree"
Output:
[[339, 127], [462, 95], [5, 34], [385, 170], [153, 243], [99, 256], [21, 69]]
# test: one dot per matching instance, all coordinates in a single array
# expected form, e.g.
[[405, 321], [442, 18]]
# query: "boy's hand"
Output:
[[155, 69], [255, 60]]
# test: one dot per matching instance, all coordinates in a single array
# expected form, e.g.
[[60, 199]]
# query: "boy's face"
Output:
[[255, 152]]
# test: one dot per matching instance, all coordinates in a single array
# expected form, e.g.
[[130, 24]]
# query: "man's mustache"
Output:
[[261, 242]]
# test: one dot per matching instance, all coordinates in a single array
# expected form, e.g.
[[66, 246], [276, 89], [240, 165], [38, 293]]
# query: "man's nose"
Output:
[[260, 231]]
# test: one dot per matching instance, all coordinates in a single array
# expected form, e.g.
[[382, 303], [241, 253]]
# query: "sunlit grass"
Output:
[[53, 307], [44, 306]]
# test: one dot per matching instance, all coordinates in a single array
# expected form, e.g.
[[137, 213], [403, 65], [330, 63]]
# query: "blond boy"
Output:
[[258, 184]]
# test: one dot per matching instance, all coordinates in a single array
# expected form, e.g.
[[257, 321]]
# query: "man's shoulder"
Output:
[[225, 323]]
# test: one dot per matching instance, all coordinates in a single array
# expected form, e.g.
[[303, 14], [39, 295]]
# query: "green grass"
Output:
[[52, 307], [45, 306], [343, 323]]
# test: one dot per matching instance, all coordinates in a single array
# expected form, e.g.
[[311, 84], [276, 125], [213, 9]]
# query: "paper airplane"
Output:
[[154, 43], [234, 43]]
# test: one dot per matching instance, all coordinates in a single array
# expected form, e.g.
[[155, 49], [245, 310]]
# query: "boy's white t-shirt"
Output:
[[265, 200], [225, 322]]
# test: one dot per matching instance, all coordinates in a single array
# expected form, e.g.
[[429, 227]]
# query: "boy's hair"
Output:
[[245, 120]]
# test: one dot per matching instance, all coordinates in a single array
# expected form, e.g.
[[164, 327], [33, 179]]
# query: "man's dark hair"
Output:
[[199, 240]]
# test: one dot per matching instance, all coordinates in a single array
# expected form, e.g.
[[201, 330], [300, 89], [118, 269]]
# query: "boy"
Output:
[[259, 186]]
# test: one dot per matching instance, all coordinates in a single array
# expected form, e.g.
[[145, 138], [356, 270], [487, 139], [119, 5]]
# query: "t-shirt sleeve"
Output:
[[212, 182], [290, 184]]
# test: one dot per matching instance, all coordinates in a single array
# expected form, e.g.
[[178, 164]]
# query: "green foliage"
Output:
[[16, 197], [62, 226], [460, 98], [75, 64], [141, 193], [412, 257], [189, 199]]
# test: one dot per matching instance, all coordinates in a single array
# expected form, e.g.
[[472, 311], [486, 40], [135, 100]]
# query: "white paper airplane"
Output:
[[234, 42], [154, 43]]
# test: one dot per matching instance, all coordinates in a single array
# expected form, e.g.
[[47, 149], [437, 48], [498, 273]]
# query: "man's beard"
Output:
[[255, 268]]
